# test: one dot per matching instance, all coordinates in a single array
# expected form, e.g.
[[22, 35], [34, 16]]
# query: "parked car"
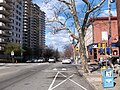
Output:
[[29, 61], [66, 61], [52, 60], [41, 59], [35, 60]]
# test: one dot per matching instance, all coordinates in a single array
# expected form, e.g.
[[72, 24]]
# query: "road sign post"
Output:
[[12, 55]]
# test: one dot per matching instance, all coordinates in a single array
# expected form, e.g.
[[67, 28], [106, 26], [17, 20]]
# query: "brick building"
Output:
[[99, 45]]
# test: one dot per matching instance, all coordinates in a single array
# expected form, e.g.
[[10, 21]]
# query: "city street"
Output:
[[42, 76]]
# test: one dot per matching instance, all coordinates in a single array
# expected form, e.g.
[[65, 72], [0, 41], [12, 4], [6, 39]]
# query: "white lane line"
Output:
[[62, 82], [74, 82], [78, 84], [64, 69], [53, 81], [55, 69]]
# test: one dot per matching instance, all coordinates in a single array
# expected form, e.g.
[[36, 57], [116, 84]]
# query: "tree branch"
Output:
[[65, 2], [88, 4], [97, 6]]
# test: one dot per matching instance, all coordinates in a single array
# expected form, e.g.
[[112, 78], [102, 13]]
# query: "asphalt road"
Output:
[[53, 76]]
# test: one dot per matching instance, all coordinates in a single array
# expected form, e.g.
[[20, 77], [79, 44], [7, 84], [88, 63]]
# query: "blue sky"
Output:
[[60, 39]]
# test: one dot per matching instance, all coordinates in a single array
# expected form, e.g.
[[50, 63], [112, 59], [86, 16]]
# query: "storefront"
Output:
[[100, 50]]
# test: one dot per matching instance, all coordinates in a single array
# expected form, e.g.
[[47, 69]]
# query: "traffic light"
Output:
[[76, 48], [103, 45], [99, 45]]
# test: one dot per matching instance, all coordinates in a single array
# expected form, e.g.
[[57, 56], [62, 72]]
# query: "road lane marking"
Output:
[[53, 81], [51, 87], [74, 81], [62, 82], [64, 69], [78, 84], [55, 69]]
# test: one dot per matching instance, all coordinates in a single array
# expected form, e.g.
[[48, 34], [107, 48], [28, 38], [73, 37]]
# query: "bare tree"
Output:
[[68, 51], [69, 15]]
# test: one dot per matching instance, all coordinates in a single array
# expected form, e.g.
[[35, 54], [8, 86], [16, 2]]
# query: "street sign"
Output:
[[12, 53], [108, 77]]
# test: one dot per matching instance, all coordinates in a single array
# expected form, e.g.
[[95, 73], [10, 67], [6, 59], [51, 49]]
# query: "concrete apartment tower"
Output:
[[37, 30], [5, 13], [26, 23], [34, 30], [17, 22]]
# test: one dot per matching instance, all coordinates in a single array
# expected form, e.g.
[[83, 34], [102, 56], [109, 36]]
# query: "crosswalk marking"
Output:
[[67, 78]]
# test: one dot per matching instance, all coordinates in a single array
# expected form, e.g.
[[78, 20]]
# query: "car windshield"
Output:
[[51, 58]]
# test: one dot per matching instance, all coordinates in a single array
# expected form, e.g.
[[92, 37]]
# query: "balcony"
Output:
[[3, 18], [8, 1], [3, 41], [4, 33], [8, 6], [4, 27], [5, 12]]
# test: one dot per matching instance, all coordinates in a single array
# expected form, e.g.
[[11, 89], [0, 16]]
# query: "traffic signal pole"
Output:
[[109, 23]]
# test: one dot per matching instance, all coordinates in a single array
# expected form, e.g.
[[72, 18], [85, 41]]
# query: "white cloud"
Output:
[[105, 13], [57, 40]]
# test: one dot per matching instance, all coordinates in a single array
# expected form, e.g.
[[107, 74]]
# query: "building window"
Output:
[[17, 17], [16, 23], [20, 13], [17, 6], [101, 51], [115, 52], [17, 11], [12, 27], [19, 24], [12, 40], [12, 33], [16, 29]]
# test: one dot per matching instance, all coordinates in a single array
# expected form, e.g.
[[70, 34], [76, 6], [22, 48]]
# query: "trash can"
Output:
[[107, 78]]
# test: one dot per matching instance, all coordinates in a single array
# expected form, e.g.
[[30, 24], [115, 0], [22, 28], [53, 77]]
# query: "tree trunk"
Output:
[[82, 54]]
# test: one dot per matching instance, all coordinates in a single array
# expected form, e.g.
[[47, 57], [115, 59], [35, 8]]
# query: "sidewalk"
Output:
[[95, 79]]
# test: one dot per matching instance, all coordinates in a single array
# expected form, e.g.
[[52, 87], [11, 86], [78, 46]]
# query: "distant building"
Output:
[[26, 22], [22, 22], [5, 28], [99, 45], [17, 22], [34, 29]]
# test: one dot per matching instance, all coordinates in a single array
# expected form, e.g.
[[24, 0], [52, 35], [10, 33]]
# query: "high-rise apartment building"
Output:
[[22, 22], [26, 23], [5, 13], [34, 29], [17, 22], [42, 29]]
